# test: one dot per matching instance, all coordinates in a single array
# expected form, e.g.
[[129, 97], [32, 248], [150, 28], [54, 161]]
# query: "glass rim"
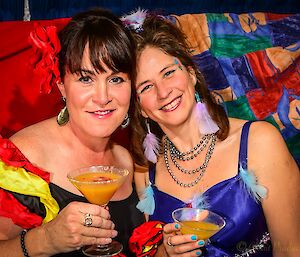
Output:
[[199, 229], [98, 169]]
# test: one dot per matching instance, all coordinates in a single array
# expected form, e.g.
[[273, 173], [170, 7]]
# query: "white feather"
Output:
[[151, 147], [135, 19], [257, 191], [206, 123], [147, 204]]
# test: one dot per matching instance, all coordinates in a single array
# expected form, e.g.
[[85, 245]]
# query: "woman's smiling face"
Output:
[[97, 101], [165, 88]]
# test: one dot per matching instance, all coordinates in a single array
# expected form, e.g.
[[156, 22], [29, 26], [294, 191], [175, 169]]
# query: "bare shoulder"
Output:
[[268, 153], [34, 137], [122, 156]]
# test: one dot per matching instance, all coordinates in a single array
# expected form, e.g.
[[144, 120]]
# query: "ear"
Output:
[[61, 88], [192, 74]]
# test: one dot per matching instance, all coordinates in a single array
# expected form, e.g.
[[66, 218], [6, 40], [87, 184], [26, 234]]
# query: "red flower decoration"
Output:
[[46, 46], [146, 238]]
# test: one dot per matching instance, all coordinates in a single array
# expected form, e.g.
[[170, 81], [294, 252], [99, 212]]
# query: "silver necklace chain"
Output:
[[201, 168], [191, 154]]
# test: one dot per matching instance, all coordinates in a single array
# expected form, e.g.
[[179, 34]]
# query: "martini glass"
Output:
[[98, 184], [203, 223]]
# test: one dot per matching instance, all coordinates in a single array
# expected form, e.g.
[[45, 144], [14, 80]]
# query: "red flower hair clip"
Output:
[[46, 46]]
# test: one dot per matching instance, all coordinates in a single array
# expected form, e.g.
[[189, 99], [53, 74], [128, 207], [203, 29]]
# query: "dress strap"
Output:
[[152, 170], [243, 153]]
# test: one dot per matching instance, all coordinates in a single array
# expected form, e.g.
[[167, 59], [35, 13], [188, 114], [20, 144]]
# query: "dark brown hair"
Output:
[[162, 34], [109, 42]]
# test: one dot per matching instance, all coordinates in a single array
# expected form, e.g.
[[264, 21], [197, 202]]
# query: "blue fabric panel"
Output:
[[286, 31], [211, 70], [231, 76], [242, 69]]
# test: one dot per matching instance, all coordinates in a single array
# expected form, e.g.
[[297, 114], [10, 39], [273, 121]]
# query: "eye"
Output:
[[116, 80], [169, 73], [145, 88], [85, 79]]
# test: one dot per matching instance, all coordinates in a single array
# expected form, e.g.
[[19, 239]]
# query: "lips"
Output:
[[172, 105], [102, 113]]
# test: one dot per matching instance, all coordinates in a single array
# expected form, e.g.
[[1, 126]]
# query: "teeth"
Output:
[[102, 112], [171, 105]]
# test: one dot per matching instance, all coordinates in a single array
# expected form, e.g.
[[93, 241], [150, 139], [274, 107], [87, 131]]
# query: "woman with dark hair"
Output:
[[200, 158], [42, 213]]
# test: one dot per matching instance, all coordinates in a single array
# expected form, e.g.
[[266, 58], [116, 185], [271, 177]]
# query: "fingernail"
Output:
[[198, 253], [201, 243], [114, 233], [177, 226], [193, 237]]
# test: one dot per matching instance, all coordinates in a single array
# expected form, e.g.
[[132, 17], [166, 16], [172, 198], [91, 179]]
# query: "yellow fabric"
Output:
[[23, 182]]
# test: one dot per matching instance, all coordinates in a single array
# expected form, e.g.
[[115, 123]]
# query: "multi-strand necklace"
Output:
[[175, 154]]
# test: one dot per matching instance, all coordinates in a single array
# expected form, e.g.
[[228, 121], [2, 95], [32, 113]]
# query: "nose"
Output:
[[101, 94], [163, 91]]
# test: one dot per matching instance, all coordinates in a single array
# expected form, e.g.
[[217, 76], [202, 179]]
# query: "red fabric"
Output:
[[10, 207], [21, 103], [46, 46], [146, 238], [19, 214], [12, 156], [264, 101]]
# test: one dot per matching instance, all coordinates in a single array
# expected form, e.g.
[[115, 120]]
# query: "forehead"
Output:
[[151, 61], [87, 64]]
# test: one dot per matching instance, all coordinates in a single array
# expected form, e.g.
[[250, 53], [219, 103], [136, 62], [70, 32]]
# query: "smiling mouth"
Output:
[[172, 105], [102, 113]]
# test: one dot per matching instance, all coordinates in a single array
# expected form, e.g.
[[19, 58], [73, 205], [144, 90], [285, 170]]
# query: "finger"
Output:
[[96, 210], [182, 239], [171, 228], [98, 232], [99, 222], [86, 240], [193, 253]]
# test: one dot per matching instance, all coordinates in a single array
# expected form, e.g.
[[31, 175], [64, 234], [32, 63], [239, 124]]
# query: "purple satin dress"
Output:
[[245, 232]]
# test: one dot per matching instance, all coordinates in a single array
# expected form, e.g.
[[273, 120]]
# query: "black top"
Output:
[[123, 213]]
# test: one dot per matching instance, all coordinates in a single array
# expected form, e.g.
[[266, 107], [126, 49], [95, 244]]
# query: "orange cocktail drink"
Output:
[[203, 230], [202, 223], [98, 187], [98, 184]]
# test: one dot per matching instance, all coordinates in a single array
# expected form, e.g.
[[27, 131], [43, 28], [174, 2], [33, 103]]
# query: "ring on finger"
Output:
[[169, 242], [88, 219]]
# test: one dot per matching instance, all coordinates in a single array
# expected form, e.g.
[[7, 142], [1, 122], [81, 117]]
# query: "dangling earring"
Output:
[[63, 116], [151, 145], [126, 121], [206, 124]]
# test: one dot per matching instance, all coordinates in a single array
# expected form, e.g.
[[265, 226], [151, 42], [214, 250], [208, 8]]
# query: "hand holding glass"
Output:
[[98, 184], [199, 222]]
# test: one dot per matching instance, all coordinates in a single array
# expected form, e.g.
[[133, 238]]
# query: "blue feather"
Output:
[[257, 191], [147, 205], [199, 201]]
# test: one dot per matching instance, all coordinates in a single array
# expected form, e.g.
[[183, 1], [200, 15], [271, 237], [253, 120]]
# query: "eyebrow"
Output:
[[161, 71], [92, 72]]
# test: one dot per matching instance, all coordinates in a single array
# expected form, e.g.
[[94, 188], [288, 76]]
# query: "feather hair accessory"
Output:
[[135, 19], [151, 145], [199, 201], [257, 191], [206, 123], [147, 204]]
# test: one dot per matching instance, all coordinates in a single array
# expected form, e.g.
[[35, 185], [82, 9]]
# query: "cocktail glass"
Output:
[[98, 184], [203, 223]]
